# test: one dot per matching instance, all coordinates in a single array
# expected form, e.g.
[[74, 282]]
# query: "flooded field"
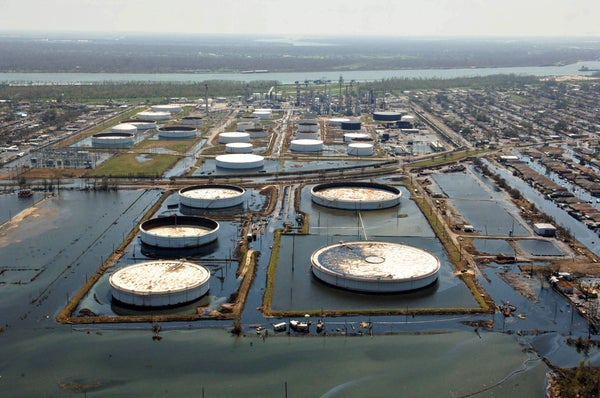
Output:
[[65, 238]]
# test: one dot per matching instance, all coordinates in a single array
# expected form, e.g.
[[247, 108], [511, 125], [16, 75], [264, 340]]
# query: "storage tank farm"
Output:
[[369, 266], [161, 283]]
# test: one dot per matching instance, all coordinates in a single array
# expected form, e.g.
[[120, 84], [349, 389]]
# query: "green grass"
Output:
[[128, 165], [180, 146], [517, 98]]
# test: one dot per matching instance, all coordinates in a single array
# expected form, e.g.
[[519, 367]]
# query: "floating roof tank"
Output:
[[240, 161], [159, 283], [177, 132], [215, 196], [233, 136], [375, 267], [175, 232], [356, 195], [306, 145]]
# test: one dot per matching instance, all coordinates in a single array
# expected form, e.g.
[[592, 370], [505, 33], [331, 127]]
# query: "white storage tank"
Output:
[[308, 126], [142, 124], [113, 140], [257, 132], [240, 161], [360, 149], [178, 232], [177, 132], [306, 145], [308, 135], [233, 136], [126, 128], [375, 267], [215, 196], [263, 115], [250, 119], [171, 108], [238, 147], [192, 120], [243, 126], [153, 116], [337, 121], [160, 283], [356, 195]]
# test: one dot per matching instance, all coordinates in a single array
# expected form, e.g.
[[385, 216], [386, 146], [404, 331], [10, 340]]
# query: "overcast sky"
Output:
[[309, 17]]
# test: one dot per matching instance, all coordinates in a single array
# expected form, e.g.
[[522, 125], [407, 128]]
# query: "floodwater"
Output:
[[212, 363], [480, 206], [493, 246], [49, 255], [583, 234], [297, 289]]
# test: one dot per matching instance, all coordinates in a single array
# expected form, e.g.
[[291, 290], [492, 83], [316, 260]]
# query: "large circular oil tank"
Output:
[[238, 147], [192, 120], [171, 108], [353, 125], [360, 149], [178, 231], [375, 267], [263, 115], [308, 135], [240, 161], [306, 145], [308, 126], [153, 116], [337, 121], [127, 128], [386, 116], [159, 283], [233, 136], [356, 195], [141, 124], [250, 118], [211, 196], [113, 140], [177, 132], [243, 126], [257, 132]]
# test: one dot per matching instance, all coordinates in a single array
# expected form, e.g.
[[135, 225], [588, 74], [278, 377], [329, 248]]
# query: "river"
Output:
[[292, 77]]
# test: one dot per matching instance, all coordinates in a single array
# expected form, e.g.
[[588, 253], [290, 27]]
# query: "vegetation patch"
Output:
[[132, 165]]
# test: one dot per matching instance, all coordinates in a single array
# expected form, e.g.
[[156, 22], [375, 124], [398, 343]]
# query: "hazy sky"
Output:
[[309, 17]]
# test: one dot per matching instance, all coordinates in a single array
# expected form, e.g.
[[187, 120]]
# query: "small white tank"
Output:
[[360, 149]]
